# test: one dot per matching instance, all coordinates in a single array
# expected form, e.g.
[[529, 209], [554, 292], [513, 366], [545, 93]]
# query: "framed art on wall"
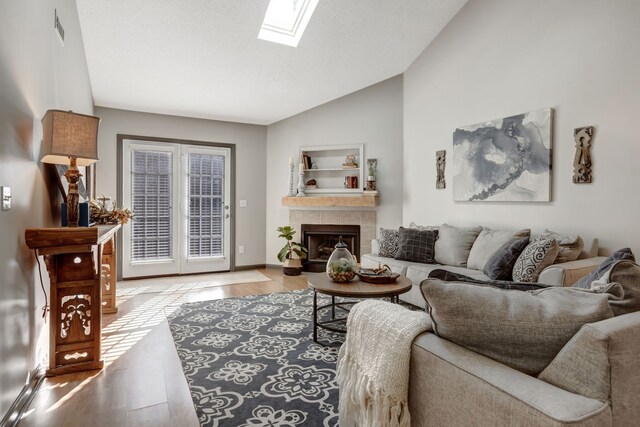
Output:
[[506, 159]]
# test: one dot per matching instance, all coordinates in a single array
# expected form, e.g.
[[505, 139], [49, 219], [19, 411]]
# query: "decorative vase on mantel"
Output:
[[341, 266]]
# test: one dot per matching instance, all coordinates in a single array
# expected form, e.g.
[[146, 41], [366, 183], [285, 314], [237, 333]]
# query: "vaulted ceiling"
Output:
[[202, 58]]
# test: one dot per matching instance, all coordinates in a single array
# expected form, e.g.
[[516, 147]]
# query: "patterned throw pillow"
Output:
[[388, 242], [537, 256], [416, 245], [500, 265]]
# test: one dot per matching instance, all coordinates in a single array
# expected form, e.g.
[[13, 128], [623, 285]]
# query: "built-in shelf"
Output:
[[331, 201], [331, 169]]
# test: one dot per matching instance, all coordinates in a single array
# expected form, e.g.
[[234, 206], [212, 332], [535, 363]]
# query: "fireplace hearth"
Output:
[[320, 240]]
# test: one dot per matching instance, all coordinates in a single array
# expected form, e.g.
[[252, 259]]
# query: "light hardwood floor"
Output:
[[142, 383]]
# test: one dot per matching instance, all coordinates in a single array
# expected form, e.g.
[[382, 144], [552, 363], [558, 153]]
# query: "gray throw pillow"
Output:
[[537, 256], [604, 267], [416, 245], [388, 242], [489, 242], [522, 329], [500, 265], [454, 244]]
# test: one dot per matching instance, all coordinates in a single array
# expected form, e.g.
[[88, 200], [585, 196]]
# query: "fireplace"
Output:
[[320, 240]]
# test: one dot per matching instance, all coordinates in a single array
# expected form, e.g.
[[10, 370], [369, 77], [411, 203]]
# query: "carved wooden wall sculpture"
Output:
[[440, 164], [582, 160]]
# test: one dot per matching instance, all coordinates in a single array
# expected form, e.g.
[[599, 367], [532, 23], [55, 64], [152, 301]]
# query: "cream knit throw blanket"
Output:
[[373, 364]]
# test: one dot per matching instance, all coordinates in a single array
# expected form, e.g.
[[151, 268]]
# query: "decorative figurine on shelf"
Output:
[[350, 162], [301, 181], [371, 175], [291, 192]]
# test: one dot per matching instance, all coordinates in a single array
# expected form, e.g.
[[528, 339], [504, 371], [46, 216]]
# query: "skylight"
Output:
[[286, 20]]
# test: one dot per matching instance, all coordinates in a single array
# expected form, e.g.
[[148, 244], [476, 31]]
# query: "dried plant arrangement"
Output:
[[106, 211]]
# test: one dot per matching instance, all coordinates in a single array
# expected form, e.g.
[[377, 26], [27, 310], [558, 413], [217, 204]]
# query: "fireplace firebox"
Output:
[[320, 240]]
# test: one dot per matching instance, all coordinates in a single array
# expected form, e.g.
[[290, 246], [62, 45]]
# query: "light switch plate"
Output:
[[241, 249], [243, 203], [6, 198]]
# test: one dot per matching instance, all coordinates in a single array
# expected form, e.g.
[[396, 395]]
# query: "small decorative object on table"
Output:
[[341, 266], [312, 184], [105, 211], [378, 276]]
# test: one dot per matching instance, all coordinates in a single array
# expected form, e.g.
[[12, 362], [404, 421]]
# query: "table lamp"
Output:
[[70, 139]]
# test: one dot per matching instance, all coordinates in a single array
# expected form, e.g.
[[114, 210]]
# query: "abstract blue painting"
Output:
[[506, 160]]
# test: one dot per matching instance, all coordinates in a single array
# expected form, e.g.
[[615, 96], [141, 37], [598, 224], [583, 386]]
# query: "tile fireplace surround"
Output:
[[366, 219]]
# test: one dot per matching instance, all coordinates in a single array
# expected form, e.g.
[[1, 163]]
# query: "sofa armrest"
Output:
[[452, 385], [568, 273], [601, 362], [375, 247]]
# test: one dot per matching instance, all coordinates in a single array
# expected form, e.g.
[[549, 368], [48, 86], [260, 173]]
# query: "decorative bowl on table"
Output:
[[378, 276]]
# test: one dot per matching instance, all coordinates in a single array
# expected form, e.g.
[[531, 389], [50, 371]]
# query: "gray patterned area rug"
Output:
[[251, 361]]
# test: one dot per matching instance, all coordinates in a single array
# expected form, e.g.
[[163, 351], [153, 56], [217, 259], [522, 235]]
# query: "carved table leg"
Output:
[[75, 317], [108, 277]]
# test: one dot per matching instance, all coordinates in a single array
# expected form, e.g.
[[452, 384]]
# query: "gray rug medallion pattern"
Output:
[[251, 361]]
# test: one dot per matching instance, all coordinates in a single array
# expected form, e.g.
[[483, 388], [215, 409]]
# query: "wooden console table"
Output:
[[81, 266]]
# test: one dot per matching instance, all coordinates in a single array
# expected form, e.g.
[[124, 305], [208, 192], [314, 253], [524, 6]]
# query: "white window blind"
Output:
[[151, 174], [206, 195]]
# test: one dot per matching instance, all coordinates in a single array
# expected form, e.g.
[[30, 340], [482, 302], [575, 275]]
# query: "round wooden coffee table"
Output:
[[320, 283]]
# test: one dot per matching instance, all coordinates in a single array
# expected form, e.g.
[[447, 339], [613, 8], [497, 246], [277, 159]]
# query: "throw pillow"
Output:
[[388, 242], [423, 227], [454, 244], [523, 330], [416, 245], [537, 256], [500, 265], [620, 254], [571, 245], [489, 242]]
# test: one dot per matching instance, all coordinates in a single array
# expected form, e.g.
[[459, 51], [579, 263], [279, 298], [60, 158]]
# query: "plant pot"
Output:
[[292, 267]]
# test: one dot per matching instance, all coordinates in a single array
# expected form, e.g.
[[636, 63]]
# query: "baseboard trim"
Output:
[[250, 267], [274, 266], [24, 399]]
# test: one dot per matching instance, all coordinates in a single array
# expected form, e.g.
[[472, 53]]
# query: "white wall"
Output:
[[498, 58], [371, 116], [250, 141], [36, 73]]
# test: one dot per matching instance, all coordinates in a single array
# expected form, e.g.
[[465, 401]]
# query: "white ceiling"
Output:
[[202, 58]]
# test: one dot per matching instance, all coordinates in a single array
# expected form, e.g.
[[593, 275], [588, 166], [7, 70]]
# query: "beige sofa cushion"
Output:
[[454, 244], [522, 329], [488, 243]]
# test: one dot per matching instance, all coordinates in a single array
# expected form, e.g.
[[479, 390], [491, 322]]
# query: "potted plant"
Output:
[[292, 253]]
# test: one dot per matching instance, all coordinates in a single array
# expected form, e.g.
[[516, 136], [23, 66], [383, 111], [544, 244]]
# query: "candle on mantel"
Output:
[[290, 161], [301, 166]]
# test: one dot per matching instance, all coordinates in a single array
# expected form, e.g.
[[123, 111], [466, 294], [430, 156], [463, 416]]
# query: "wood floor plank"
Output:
[[142, 383]]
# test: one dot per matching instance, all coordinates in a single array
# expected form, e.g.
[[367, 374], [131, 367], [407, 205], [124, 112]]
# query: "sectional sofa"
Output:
[[559, 274]]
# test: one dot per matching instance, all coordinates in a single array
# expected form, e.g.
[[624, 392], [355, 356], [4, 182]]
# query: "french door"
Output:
[[180, 198]]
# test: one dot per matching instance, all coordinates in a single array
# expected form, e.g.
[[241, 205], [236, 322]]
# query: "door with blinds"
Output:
[[180, 197]]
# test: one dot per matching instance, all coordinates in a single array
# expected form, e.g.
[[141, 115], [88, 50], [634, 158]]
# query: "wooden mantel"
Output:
[[331, 201]]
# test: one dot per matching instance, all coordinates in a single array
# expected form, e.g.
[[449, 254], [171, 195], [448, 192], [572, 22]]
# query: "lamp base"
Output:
[[73, 176]]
